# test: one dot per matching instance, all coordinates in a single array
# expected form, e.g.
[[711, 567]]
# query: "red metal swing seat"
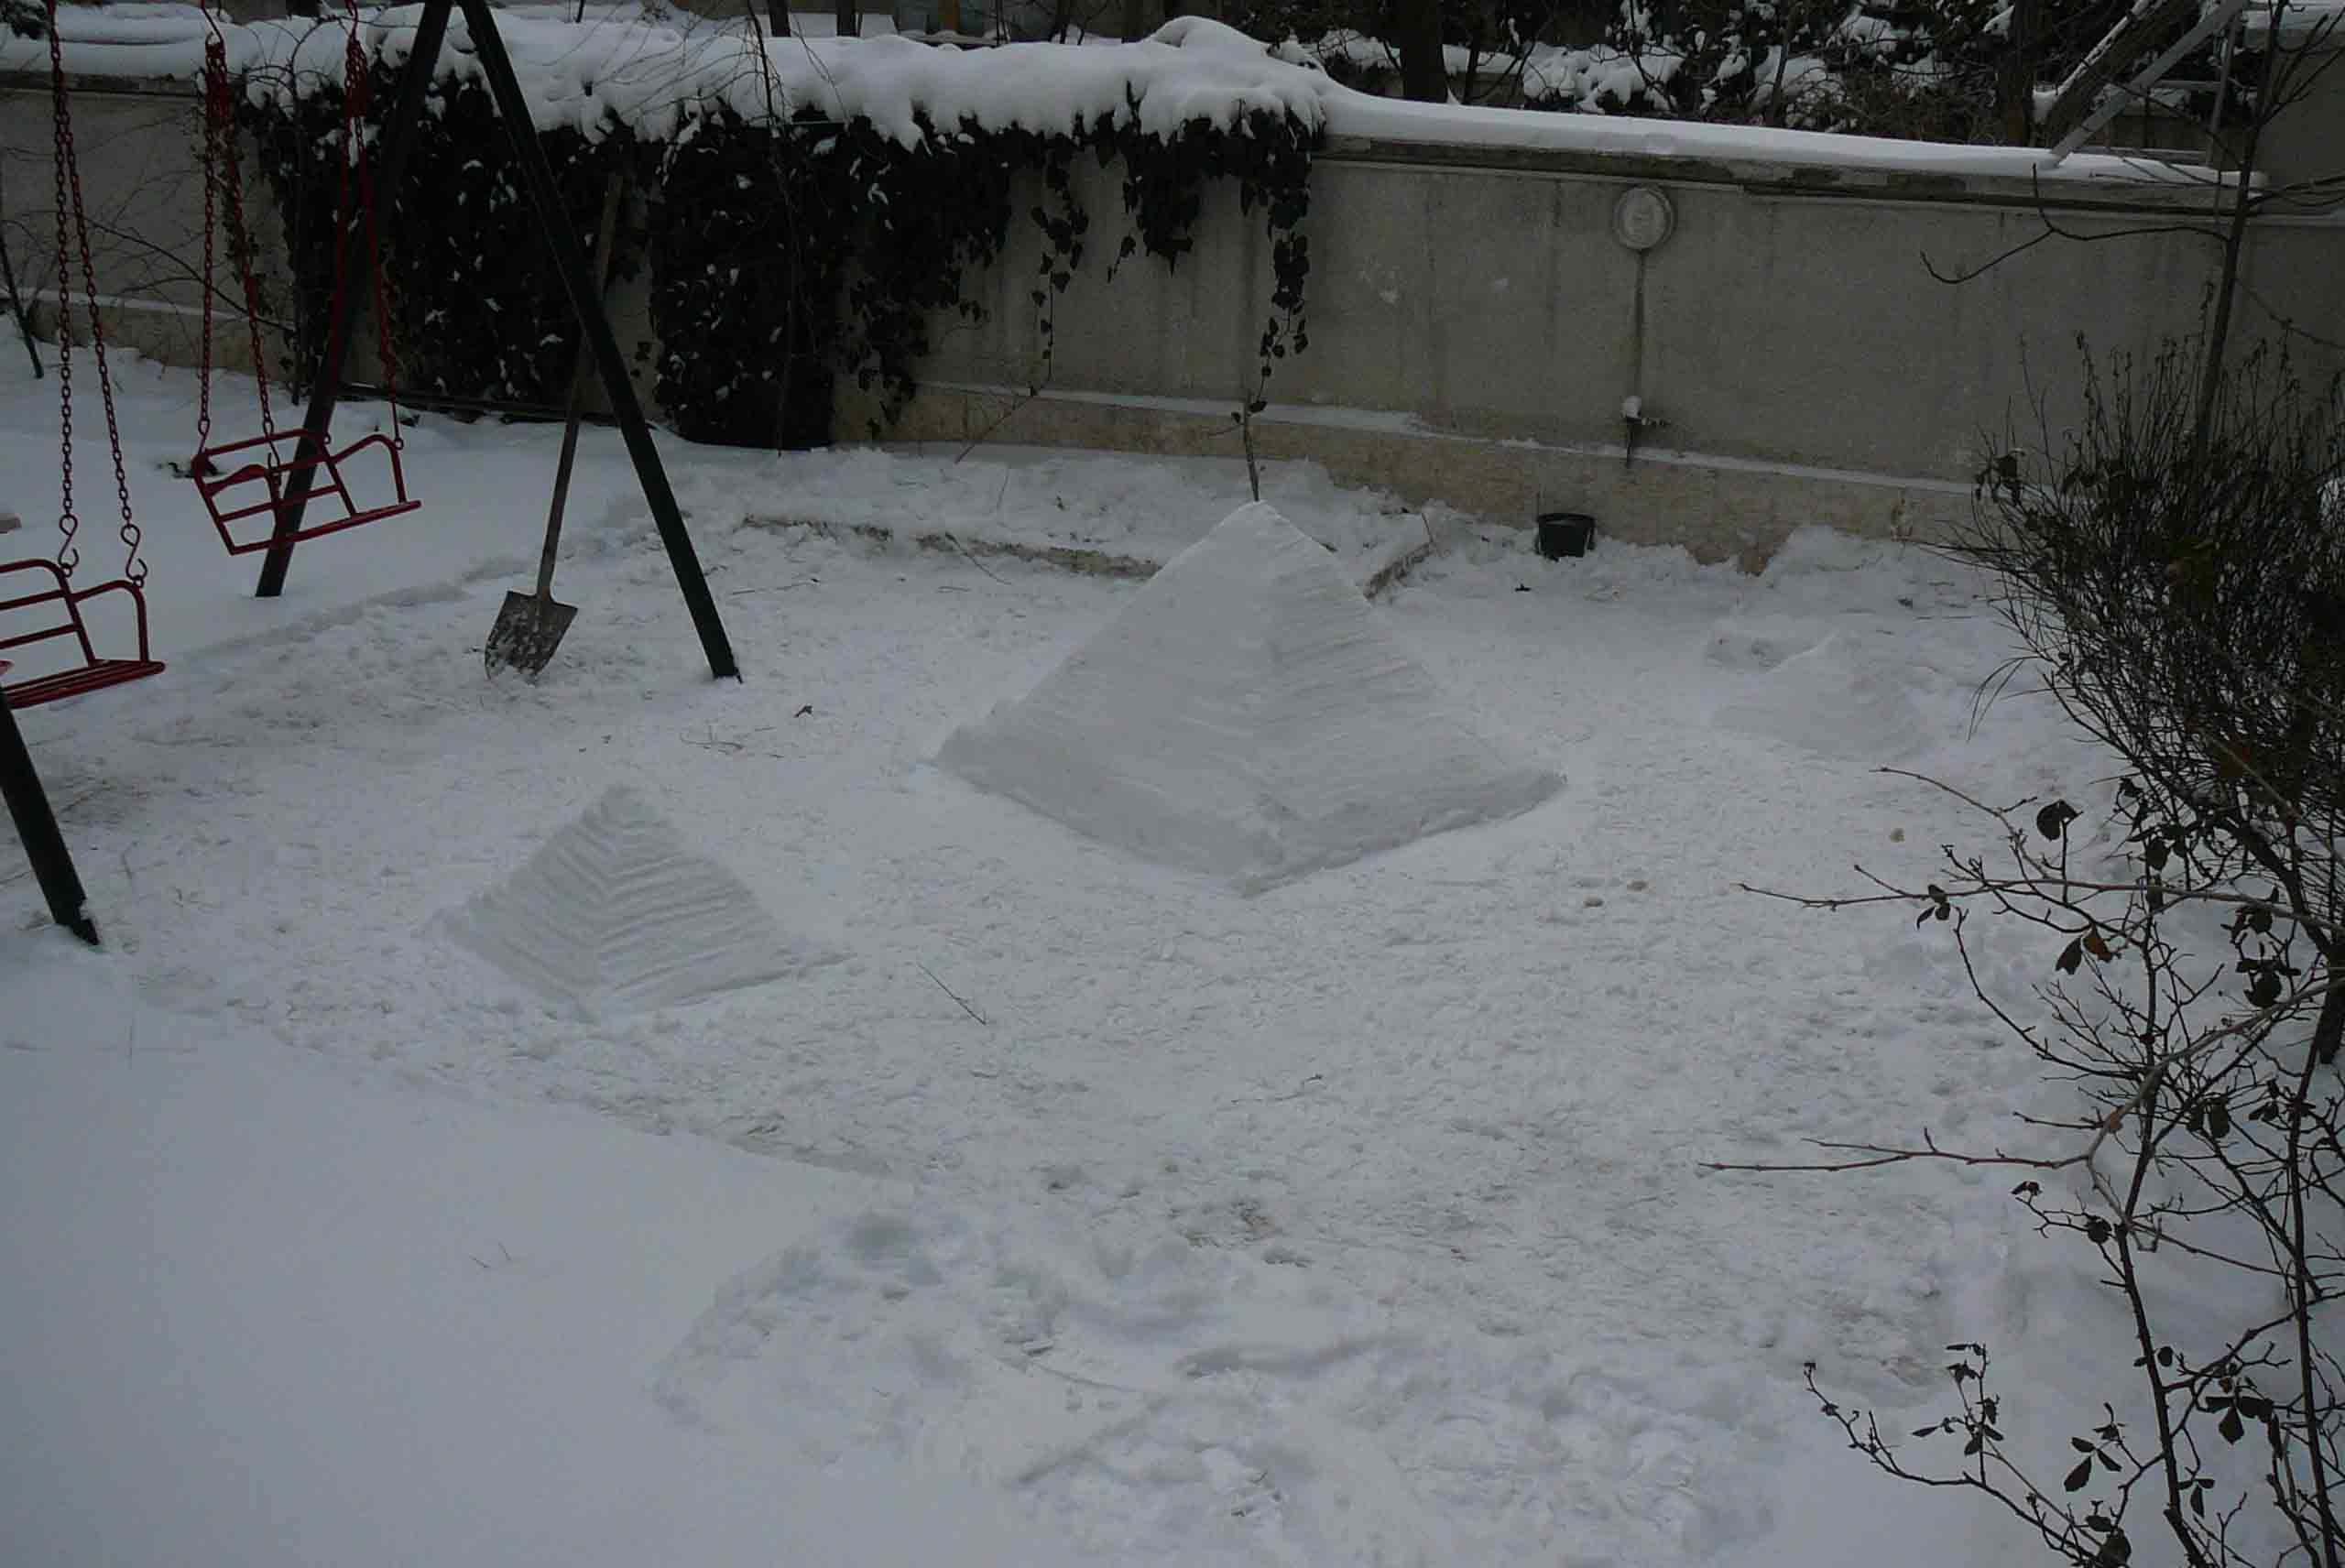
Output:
[[39, 603], [53, 610], [256, 481], [243, 480]]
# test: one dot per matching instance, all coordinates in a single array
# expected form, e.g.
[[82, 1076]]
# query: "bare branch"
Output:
[[1874, 1155]]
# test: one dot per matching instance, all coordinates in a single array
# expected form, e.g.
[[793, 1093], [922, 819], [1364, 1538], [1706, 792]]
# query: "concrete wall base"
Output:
[[1719, 508]]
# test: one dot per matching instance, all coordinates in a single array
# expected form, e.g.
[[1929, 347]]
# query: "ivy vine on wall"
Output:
[[743, 297], [476, 311], [781, 254]]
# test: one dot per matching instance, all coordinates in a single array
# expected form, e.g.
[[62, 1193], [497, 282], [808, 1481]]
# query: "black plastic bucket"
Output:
[[1563, 534]]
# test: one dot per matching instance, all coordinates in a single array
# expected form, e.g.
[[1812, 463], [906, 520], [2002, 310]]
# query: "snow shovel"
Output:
[[530, 626]]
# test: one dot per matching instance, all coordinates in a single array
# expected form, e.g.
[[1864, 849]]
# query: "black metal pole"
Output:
[[587, 300], [390, 159], [36, 826]]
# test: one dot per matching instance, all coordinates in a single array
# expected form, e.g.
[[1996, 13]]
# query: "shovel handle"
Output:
[[581, 372]]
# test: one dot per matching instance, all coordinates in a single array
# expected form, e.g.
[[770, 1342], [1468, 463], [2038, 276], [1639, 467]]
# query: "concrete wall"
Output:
[[1475, 328], [139, 148], [2307, 142], [1474, 325]]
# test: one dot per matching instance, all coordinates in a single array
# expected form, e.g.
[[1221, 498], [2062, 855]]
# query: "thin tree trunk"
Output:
[[1776, 113], [2219, 330], [1417, 32], [16, 304], [2015, 82]]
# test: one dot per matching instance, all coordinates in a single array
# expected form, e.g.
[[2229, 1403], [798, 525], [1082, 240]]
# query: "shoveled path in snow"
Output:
[[1358, 1220]]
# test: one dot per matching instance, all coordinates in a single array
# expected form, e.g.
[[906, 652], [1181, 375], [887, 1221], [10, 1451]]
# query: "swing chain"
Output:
[[67, 525], [68, 168], [358, 195], [240, 243], [215, 91], [223, 180]]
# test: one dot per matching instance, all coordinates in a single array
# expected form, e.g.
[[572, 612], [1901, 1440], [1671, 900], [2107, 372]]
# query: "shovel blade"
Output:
[[528, 631]]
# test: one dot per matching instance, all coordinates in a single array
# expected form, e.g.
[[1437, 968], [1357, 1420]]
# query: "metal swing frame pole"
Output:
[[390, 161], [36, 826], [577, 280]]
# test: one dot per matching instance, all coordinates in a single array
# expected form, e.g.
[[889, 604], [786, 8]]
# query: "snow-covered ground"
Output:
[[1037, 1204]]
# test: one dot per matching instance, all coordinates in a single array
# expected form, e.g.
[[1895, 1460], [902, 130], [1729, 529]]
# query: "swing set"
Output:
[[273, 475], [241, 480], [39, 602]]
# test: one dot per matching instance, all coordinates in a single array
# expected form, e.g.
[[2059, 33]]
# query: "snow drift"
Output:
[[1835, 698]]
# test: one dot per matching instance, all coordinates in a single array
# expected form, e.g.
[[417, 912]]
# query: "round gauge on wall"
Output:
[[1642, 218]]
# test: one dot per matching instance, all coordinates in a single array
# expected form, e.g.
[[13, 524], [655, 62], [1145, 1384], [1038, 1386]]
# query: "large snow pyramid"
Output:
[[1248, 716], [616, 914]]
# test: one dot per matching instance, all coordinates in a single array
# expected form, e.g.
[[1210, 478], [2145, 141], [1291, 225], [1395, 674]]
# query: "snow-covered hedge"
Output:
[[817, 203], [656, 80]]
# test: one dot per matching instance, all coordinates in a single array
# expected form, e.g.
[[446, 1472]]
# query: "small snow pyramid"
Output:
[[1247, 716], [616, 914]]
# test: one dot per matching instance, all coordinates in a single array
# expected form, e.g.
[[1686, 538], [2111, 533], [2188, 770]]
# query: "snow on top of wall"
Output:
[[657, 76], [1355, 114], [2300, 20], [136, 40]]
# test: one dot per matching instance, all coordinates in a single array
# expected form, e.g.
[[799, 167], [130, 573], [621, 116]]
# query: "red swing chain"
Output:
[[223, 184], [68, 556], [68, 183], [216, 70], [358, 194], [223, 181]]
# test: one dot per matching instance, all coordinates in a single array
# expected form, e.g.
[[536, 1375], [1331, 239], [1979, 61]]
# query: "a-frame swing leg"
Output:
[[577, 282], [353, 247], [36, 826]]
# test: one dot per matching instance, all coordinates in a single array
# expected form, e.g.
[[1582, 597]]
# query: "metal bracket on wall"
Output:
[[1642, 219]]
